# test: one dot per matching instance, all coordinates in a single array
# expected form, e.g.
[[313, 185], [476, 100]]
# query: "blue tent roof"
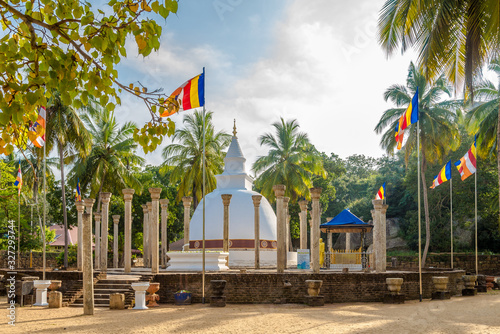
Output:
[[344, 222]]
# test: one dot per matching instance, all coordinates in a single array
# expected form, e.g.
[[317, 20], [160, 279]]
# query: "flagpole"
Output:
[[451, 220], [419, 228], [203, 198], [44, 206], [475, 200]]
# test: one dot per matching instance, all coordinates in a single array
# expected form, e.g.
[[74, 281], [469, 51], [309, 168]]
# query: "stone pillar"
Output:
[[303, 224], [379, 234], [145, 231], [155, 218], [286, 200], [150, 232], [186, 200], [105, 198], [116, 220], [315, 194], [164, 235], [226, 199], [88, 279], [97, 241], [79, 208], [311, 236], [127, 244], [347, 241], [279, 192], [256, 204]]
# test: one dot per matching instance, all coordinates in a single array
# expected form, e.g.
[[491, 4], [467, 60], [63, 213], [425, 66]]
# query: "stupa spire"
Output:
[[234, 129]]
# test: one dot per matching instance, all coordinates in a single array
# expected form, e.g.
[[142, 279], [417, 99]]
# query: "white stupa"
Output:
[[235, 181]]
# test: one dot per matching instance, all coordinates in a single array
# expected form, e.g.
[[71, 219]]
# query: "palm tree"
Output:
[[186, 156], [32, 167], [291, 161], [112, 160], [456, 38], [66, 132], [438, 130]]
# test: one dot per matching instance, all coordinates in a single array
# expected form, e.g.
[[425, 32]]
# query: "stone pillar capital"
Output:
[[279, 190], [88, 202], [116, 219], [149, 205], [226, 198], [187, 200], [384, 208], [315, 193], [128, 193], [105, 198], [144, 208], [155, 193], [164, 203], [377, 203], [80, 206], [97, 216], [303, 205], [256, 200], [286, 200]]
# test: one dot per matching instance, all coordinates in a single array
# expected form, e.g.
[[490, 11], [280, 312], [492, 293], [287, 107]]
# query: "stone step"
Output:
[[80, 304], [97, 301], [114, 281], [112, 286]]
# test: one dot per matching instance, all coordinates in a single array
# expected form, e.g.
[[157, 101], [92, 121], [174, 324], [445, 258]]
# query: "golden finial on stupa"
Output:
[[234, 128]]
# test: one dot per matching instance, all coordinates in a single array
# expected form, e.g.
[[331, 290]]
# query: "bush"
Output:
[[72, 256]]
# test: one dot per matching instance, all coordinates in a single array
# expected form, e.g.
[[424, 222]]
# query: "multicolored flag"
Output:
[[409, 117], [467, 165], [19, 179], [381, 192], [78, 195], [188, 96], [443, 176], [37, 129]]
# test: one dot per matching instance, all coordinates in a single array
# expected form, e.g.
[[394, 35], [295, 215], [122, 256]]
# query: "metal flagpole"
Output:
[[451, 220], [203, 198], [475, 200], [44, 205], [419, 228]]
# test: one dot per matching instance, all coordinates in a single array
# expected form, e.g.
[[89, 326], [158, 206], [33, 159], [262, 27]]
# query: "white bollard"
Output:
[[41, 292], [140, 295]]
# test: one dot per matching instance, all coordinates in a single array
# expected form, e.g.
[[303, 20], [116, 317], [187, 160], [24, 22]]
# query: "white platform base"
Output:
[[41, 292], [193, 261]]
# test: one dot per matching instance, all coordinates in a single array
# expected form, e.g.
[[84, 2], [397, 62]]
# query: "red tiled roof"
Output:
[[59, 239]]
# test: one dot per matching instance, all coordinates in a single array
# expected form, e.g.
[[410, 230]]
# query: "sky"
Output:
[[318, 62]]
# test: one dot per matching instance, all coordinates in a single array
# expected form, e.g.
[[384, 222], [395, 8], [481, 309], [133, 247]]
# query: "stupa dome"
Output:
[[235, 181]]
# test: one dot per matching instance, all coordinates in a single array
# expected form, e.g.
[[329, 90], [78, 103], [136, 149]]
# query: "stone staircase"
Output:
[[112, 284]]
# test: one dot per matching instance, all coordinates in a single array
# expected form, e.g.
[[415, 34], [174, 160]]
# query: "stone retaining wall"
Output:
[[262, 288], [487, 264], [25, 259]]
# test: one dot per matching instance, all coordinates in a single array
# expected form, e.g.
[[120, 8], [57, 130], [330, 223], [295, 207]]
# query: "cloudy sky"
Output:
[[315, 61]]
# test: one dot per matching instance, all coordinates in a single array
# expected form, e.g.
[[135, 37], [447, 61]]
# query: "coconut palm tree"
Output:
[[66, 133], [32, 168], [438, 127], [186, 156], [291, 161], [112, 160]]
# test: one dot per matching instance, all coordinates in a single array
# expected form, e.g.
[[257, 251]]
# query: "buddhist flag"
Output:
[[381, 192], [37, 129], [188, 96], [467, 165], [409, 117], [19, 179], [78, 195], [443, 176]]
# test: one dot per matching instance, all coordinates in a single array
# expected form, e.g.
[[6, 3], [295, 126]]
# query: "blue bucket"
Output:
[[182, 298]]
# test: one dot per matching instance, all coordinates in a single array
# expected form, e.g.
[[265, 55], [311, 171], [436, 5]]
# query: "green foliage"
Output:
[[73, 48], [72, 256], [184, 160], [291, 161]]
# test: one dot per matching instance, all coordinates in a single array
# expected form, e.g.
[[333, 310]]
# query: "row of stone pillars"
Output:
[[151, 231]]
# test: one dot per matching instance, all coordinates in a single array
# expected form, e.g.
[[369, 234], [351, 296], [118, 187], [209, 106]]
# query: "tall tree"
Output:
[[112, 160], [67, 134], [438, 130], [292, 160], [186, 156]]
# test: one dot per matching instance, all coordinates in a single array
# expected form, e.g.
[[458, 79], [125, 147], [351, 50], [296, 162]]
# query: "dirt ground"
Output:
[[480, 314]]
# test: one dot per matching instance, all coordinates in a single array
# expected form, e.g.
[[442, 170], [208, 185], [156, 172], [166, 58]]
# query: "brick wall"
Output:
[[487, 264], [261, 288]]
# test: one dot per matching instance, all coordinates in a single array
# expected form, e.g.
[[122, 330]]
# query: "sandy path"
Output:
[[479, 314]]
